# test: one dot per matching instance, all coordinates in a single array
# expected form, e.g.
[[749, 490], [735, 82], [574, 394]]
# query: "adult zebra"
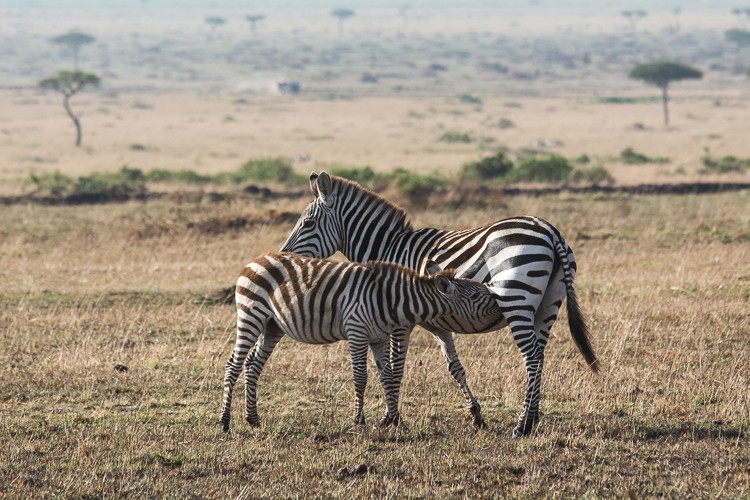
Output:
[[523, 260], [317, 301]]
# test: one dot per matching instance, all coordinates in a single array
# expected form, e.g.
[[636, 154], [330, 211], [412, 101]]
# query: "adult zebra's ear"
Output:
[[432, 268], [324, 187], [313, 182], [445, 285]]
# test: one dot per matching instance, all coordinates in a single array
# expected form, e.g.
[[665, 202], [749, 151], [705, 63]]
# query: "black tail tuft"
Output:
[[580, 331]]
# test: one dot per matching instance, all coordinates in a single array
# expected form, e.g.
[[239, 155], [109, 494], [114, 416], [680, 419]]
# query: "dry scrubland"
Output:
[[217, 133], [113, 326], [664, 281]]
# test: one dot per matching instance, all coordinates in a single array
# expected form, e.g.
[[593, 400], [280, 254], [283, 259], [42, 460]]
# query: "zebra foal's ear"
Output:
[[313, 182], [445, 285], [432, 267]]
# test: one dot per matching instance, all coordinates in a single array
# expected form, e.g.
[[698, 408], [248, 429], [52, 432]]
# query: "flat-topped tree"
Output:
[[342, 15], [633, 16], [69, 83], [74, 41], [254, 19], [661, 74], [215, 22]]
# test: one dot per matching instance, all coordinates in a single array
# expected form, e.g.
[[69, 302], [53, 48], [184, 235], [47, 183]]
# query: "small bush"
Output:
[[470, 99], [456, 138], [583, 159], [595, 175], [724, 165], [127, 180], [492, 167], [362, 175], [183, 175], [549, 168], [505, 123], [414, 185], [631, 157], [54, 183], [264, 170]]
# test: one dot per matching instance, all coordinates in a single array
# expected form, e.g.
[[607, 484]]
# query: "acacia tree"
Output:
[[342, 15], [74, 41], [253, 20], [661, 74], [68, 83], [215, 22], [633, 16]]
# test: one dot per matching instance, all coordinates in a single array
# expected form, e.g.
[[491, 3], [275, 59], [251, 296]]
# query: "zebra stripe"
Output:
[[524, 260], [320, 302]]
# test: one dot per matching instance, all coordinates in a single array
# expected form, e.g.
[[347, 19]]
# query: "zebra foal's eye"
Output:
[[308, 223]]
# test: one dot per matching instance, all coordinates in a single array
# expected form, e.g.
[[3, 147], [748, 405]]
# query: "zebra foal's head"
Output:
[[318, 230], [467, 298]]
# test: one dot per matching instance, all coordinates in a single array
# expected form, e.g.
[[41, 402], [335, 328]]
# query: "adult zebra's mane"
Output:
[[351, 190]]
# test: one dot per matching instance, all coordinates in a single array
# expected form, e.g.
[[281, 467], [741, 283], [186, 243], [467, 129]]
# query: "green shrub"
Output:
[[505, 123], [470, 99], [456, 137], [183, 175], [492, 167], [264, 170], [125, 181], [414, 185], [548, 168], [631, 157], [54, 183], [595, 175], [362, 175], [724, 165]]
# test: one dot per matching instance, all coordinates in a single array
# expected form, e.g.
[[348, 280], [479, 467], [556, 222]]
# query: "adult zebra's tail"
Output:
[[576, 322]]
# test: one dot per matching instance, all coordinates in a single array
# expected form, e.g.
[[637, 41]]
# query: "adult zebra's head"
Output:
[[318, 231]]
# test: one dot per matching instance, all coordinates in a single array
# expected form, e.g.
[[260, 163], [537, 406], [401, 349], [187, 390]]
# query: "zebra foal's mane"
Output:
[[385, 268]]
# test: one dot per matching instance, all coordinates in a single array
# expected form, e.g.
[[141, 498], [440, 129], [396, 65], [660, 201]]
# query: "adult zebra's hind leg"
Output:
[[456, 369]]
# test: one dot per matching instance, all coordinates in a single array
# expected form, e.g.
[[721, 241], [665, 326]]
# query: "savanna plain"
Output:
[[115, 324]]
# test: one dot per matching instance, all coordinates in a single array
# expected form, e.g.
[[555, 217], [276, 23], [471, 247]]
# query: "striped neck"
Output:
[[370, 223]]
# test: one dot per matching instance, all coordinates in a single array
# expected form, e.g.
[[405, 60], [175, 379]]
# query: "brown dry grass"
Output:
[[664, 282]]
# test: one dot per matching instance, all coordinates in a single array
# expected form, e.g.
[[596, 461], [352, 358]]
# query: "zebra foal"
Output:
[[317, 301], [523, 260]]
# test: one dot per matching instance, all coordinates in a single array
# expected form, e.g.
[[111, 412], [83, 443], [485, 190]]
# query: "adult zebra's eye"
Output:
[[308, 223]]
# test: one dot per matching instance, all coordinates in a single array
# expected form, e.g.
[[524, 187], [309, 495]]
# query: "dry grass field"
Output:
[[114, 330], [664, 282]]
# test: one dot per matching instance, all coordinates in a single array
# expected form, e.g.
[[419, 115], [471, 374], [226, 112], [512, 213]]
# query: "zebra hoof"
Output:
[[388, 421], [225, 426], [359, 420], [254, 422], [525, 426], [479, 422]]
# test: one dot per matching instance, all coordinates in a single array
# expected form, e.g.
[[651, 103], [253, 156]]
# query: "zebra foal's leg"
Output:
[[399, 345], [263, 349], [380, 353], [456, 369], [247, 335], [358, 352]]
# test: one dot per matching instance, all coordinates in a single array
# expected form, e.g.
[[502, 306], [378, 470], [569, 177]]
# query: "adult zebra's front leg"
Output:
[[456, 369]]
